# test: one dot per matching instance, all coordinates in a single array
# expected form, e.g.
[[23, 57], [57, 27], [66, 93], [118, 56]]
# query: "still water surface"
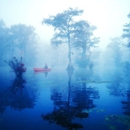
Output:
[[62, 100]]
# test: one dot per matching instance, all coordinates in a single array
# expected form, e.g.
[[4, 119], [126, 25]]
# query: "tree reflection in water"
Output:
[[116, 88], [17, 85], [75, 105], [126, 104], [44, 72], [114, 121], [17, 96]]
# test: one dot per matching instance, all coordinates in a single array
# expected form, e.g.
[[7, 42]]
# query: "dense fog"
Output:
[[64, 64], [69, 37], [83, 50]]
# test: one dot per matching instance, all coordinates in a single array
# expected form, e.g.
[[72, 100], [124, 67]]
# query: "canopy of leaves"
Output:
[[62, 20], [77, 34], [82, 34], [62, 23]]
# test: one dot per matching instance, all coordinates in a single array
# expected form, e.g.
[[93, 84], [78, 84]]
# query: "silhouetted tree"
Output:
[[63, 27], [126, 35], [83, 40]]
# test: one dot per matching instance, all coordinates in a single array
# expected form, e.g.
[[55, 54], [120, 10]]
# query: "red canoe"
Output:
[[42, 69]]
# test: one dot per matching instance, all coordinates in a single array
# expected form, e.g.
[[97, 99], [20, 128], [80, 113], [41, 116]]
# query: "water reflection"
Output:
[[119, 121], [126, 104], [44, 72], [75, 104], [17, 96], [17, 85], [116, 88], [71, 104]]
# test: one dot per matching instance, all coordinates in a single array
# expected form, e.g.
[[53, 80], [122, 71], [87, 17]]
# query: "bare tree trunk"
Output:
[[70, 66]]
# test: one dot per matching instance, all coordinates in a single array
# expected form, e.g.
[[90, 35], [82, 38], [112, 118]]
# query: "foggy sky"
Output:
[[108, 15]]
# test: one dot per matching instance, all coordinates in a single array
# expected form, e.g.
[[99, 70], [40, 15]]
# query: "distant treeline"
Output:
[[17, 41]]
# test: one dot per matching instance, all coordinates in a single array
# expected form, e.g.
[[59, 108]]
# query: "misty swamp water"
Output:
[[62, 100]]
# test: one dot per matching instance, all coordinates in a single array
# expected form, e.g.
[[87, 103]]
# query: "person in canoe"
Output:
[[46, 66]]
